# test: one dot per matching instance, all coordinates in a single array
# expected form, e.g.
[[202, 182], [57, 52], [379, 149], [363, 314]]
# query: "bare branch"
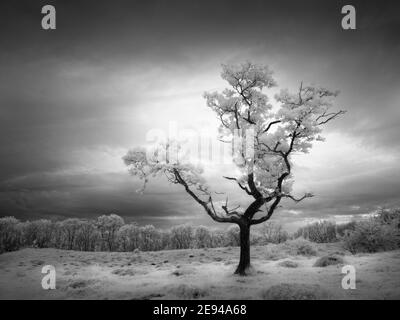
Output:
[[270, 124], [240, 185], [230, 212], [325, 118], [307, 195], [210, 211]]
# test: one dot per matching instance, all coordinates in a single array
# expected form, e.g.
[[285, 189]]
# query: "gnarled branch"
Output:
[[306, 195], [210, 211]]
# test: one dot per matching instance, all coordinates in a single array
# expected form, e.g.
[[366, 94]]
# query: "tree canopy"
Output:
[[243, 108]]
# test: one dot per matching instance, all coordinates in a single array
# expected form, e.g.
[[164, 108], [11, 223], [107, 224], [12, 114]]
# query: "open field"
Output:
[[280, 272]]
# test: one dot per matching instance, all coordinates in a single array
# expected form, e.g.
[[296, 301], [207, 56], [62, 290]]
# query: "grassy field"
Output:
[[284, 271]]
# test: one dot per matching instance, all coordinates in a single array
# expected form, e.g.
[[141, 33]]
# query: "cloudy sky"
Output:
[[75, 99]]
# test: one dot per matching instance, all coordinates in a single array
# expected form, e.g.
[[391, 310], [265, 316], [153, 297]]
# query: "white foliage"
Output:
[[244, 106]]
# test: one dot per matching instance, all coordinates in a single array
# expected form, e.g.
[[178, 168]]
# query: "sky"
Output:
[[75, 99]]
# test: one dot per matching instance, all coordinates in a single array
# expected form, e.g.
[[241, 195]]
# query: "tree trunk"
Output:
[[244, 263]]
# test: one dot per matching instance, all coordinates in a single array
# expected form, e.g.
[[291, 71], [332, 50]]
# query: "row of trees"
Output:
[[381, 232], [111, 233]]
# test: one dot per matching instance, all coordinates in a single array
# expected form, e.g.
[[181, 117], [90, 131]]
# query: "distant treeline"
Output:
[[381, 232], [111, 233]]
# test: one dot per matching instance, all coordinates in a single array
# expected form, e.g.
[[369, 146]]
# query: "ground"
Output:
[[280, 272]]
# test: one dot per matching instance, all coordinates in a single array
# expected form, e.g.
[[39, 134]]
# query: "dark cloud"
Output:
[[113, 70]]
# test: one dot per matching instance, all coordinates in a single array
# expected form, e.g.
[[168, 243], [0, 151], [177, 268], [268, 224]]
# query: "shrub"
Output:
[[273, 233], [274, 252], [328, 260], [306, 250], [300, 247], [320, 232], [288, 264], [342, 229], [256, 238], [10, 234], [389, 217], [372, 236]]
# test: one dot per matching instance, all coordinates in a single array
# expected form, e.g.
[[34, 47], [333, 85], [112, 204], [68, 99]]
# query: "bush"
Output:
[[288, 264], [389, 217], [372, 236], [329, 260], [275, 252], [256, 238], [342, 229], [300, 247], [320, 232], [10, 234], [273, 233]]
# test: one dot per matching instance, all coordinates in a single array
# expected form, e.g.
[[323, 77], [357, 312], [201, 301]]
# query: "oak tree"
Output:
[[266, 174]]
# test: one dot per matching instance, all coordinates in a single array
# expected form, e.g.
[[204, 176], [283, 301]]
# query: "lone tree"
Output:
[[266, 174]]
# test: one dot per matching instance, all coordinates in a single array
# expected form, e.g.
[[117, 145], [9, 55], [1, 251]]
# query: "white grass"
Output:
[[196, 274]]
